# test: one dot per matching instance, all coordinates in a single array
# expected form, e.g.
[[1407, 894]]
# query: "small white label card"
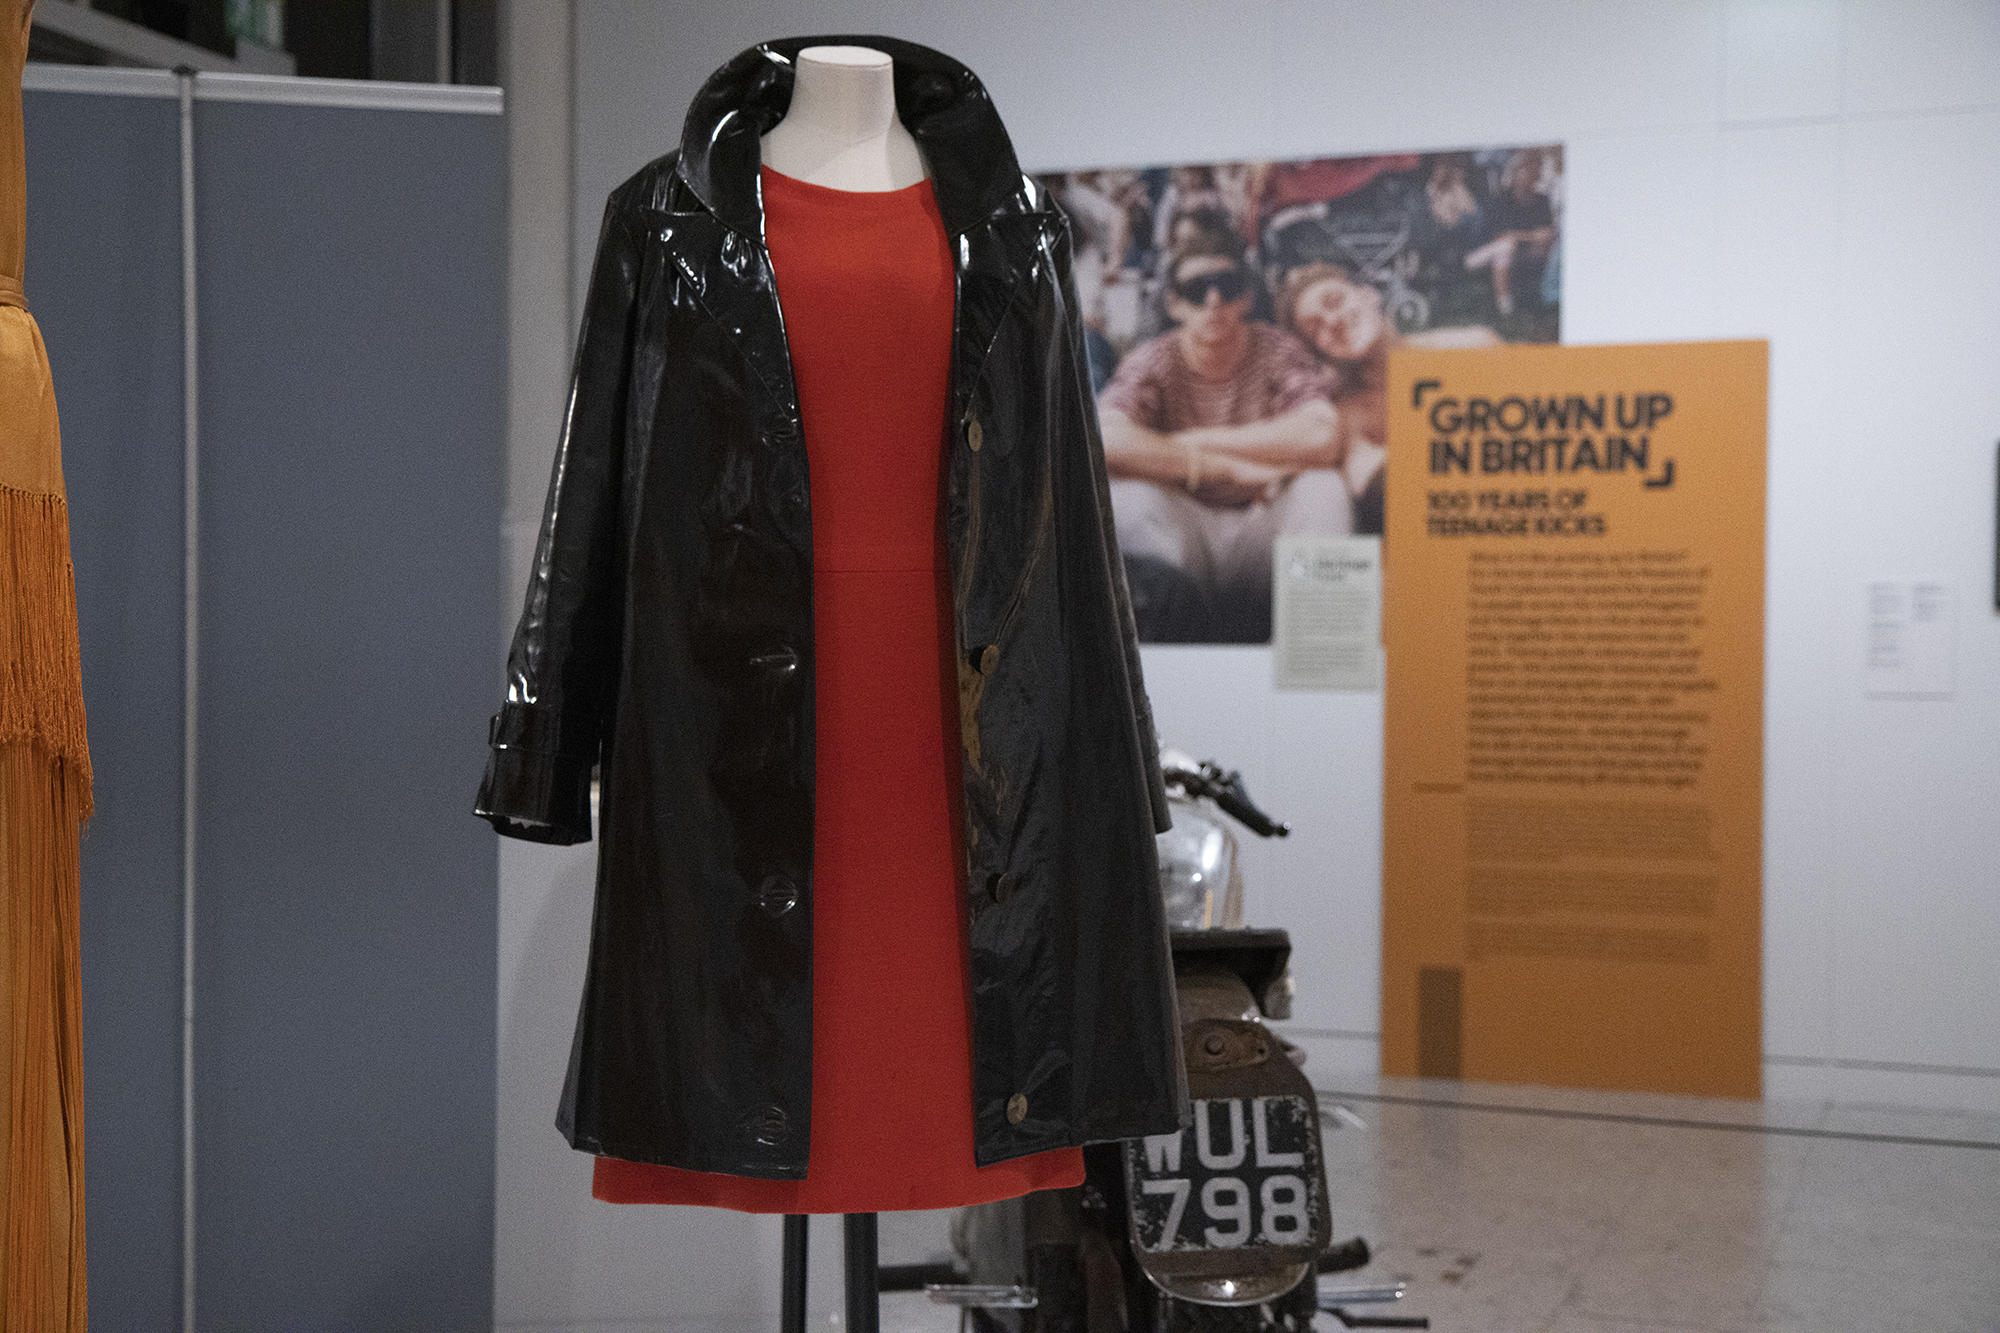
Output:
[[1326, 616], [1911, 633]]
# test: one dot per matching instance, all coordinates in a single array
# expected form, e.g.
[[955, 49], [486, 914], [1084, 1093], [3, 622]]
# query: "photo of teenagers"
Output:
[[1239, 318]]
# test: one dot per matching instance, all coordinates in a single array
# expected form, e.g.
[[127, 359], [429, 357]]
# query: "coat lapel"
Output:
[[994, 260], [731, 277]]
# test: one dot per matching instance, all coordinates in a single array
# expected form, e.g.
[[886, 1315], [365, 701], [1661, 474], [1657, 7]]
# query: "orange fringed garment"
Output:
[[44, 793], [44, 798]]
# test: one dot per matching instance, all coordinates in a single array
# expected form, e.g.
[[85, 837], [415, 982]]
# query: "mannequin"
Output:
[[863, 274], [827, 596], [841, 130]]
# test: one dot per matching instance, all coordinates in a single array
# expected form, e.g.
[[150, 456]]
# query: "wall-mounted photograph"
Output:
[[1239, 318]]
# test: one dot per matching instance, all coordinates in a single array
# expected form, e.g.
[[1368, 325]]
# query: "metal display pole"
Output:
[[864, 1297], [792, 1294], [190, 676], [864, 1276]]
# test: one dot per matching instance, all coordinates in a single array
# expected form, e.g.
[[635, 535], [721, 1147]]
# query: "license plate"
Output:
[[1245, 1174]]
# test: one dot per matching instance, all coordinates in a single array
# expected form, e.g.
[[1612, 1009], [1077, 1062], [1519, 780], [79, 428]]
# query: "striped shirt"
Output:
[[1155, 387]]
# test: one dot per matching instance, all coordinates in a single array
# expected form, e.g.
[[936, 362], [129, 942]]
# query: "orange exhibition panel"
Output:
[[1573, 616]]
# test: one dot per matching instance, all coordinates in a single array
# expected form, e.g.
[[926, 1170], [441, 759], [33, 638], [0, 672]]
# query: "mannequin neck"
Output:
[[841, 130]]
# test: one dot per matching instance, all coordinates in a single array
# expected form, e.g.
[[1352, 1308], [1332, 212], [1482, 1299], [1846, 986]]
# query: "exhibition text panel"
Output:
[[1573, 618]]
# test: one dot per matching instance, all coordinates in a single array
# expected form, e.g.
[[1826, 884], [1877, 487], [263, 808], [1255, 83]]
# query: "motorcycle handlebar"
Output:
[[1228, 792]]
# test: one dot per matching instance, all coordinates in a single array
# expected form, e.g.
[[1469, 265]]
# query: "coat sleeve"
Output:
[[1078, 382], [563, 665]]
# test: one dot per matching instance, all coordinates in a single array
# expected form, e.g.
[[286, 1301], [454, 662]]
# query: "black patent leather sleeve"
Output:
[[562, 667], [1076, 381]]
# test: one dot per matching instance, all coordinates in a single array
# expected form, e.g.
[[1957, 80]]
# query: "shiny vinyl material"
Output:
[[667, 641]]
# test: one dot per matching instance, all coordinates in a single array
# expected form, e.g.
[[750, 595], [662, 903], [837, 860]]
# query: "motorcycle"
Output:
[[1222, 1227]]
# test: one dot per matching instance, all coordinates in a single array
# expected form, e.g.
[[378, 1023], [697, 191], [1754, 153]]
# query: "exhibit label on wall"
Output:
[[1238, 319], [1573, 789]]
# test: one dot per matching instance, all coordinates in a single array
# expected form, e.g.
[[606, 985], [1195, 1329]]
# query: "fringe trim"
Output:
[[42, 1275], [41, 666]]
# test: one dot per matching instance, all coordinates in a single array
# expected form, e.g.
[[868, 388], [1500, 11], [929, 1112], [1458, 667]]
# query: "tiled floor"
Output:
[[1514, 1210]]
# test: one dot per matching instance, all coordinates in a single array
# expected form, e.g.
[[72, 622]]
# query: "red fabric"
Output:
[[865, 280], [1326, 178]]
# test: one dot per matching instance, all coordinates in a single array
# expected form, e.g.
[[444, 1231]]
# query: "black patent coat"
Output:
[[667, 640]]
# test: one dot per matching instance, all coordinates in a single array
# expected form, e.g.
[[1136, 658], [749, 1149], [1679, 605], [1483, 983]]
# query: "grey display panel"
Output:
[[104, 282], [352, 285]]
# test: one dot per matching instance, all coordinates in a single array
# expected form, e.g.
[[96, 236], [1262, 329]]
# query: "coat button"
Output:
[[779, 663], [777, 895], [1002, 887], [765, 1126], [1017, 1109], [989, 658], [975, 434]]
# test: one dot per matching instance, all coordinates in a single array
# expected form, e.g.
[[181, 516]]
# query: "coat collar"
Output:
[[971, 162]]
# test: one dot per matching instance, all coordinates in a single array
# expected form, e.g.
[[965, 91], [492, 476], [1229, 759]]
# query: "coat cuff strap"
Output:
[[533, 790]]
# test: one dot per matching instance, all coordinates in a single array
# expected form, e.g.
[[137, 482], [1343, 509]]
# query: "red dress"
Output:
[[865, 281]]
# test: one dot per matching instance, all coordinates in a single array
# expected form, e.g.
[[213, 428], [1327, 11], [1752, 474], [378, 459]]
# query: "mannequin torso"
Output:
[[841, 130], [696, 1040], [862, 262]]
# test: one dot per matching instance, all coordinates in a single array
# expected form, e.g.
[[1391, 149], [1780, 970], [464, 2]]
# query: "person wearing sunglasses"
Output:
[[1219, 434]]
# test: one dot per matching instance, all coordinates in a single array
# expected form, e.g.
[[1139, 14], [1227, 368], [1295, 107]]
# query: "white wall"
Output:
[[1821, 174]]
